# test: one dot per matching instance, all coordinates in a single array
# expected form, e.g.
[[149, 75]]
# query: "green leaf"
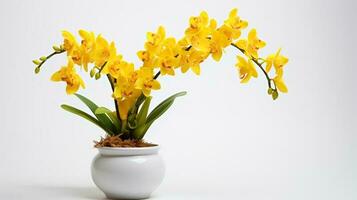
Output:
[[155, 114], [111, 114], [163, 106], [140, 100], [102, 110], [132, 123], [144, 111], [86, 116], [102, 118]]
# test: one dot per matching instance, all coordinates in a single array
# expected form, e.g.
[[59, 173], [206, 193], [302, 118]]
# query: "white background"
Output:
[[224, 140]]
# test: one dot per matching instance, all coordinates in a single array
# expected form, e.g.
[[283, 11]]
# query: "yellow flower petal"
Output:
[[213, 24], [161, 32], [245, 78], [146, 92], [82, 82], [184, 68], [281, 86], [217, 55], [196, 69], [279, 82], [56, 76], [252, 35], [156, 85], [269, 62], [242, 44], [233, 13], [253, 71], [124, 107]]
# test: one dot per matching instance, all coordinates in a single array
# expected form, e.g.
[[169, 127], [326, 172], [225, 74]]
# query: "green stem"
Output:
[[49, 56], [102, 67], [257, 63], [157, 74], [111, 81]]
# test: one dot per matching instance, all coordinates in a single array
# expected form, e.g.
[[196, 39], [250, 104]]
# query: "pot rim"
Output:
[[128, 151]]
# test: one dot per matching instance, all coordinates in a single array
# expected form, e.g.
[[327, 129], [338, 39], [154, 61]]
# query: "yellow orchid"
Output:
[[235, 23], [252, 45], [246, 69], [218, 41], [276, 60], [88, 39], [216, 50], [168, 57], [200, 41], [254, 41], [162, 55], [72, 48], [190, 57], [114, 65], [227, 32], [152, 46], [68, 74], [197, 34], [69, 42], [145, 81], [125, 82], [87, 48], [191, 60], [149, 59], [154, 40], [197, 23], [143, 55], [167, 66], [123, 90], [128, 71], [102, 51], [279, 82], [76, 55]]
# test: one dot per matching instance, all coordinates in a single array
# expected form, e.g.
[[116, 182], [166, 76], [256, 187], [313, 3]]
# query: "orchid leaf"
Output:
[[87, 117], [162, 107], [102, 118], [144, 111], [155, 114], [111, 114]]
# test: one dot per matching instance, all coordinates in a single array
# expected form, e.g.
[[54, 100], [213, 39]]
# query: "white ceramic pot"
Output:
[[128, 173]]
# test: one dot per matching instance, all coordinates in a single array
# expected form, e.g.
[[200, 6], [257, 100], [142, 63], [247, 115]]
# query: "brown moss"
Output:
[[116, 141]]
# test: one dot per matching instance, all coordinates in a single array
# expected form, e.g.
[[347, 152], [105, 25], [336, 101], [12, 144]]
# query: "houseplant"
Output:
[[127, 123]]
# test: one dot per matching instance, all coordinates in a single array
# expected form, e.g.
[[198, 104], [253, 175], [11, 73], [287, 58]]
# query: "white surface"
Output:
[[222, 140]]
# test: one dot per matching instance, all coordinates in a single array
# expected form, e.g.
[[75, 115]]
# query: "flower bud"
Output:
[[92, 73], [97, 76], [43, 58], [37, 70], [270, 91], [36, 62], [275, 94], [56, 48]]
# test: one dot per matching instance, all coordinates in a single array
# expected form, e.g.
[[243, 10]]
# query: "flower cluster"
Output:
[[202, 38], [163, 55]]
